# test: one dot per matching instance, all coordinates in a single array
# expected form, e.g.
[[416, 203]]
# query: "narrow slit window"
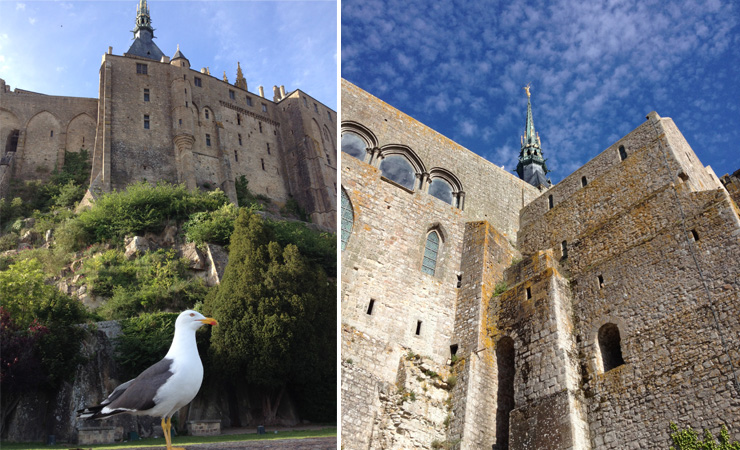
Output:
[[550, 201], [236, 156], [694, 235], [208, 140], [370, 307], [584, 181], [240, 139], [260, 124], [238, 119], [453, 350], [564, 249], [263, 163], [418, 327], [146, 121], [208, 116], [601, 282], [529, 293], [268, 148], [622, 153], [459, 280], [146, 95]]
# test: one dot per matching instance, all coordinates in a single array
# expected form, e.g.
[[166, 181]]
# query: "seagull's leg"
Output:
[[169, 427], [166, 431]]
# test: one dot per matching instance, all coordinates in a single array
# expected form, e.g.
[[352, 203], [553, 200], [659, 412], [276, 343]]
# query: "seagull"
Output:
[[165, 387]]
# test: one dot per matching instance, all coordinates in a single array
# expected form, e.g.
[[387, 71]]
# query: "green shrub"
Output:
[[318, 247], [9, 241], [30, 301], [154, 282], [688, 439], [293, 209], [500, 288], [212, 227], [143, 208]]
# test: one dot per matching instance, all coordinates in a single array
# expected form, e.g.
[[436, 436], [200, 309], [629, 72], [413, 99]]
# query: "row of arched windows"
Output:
[[401, 165]]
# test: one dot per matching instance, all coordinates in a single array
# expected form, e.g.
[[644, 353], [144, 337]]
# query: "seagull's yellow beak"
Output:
[[209, 321]]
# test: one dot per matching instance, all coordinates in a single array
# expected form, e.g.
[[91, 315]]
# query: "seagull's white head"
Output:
[[193, 320]]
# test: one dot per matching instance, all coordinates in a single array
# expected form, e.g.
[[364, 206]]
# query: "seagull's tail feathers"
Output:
[[102, 411]]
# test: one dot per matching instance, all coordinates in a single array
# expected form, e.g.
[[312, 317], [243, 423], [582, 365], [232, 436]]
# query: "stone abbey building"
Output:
[[157, 119], [480, 311]]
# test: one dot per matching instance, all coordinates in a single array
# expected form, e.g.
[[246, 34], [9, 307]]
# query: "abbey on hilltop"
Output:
[[483, 310], [156, 119]]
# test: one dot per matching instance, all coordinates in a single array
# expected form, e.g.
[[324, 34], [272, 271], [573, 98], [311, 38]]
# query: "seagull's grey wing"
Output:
[[139, 395], [134, 395]]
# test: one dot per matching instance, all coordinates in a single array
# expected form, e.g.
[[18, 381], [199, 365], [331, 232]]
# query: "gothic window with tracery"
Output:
[[431, 251], [348, 218]]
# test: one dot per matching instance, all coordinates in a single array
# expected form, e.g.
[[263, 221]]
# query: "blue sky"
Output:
[[596, 69], [55, 47]]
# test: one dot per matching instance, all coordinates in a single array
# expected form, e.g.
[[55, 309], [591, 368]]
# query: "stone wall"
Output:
[[651, 245], [47, 126], [310, 155]]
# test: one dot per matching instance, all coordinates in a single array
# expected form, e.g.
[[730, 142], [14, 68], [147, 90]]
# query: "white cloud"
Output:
[[20, 6], [32, 20]]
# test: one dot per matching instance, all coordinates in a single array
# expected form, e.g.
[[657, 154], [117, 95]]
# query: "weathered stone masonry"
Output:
[[642, 241]]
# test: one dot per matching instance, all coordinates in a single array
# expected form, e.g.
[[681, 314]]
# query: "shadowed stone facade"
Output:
[[156, 119], [585, 316]]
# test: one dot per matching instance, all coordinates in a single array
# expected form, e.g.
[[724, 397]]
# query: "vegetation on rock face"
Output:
[[279, 331], [211, 227], [277, 317], [688, 439], [64, 188], [154, 282], [143, 208], [39, 336]]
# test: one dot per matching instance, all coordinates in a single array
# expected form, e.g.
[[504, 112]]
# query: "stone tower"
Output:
[[532, 167]]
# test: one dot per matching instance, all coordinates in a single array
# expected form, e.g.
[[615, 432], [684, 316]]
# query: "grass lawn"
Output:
[[182, 440]]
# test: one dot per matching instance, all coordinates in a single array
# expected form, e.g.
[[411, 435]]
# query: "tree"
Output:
[[273, 315], [688, 439], [40, 337]]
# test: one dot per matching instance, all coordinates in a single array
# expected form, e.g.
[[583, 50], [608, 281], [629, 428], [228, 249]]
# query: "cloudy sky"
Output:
[[596, 69], [55, 47]]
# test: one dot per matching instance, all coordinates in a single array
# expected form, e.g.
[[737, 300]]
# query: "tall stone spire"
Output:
[[143, 45], [532, 167]]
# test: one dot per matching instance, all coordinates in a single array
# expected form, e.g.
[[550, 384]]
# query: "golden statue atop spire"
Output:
[[526, 88]]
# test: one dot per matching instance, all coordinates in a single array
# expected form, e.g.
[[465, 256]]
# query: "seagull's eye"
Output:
[[192, 314]]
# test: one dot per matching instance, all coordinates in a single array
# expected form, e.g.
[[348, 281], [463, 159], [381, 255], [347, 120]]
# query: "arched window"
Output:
[[442, 190], [445, 186], [610, 347], [431, 251], [397, 168], [505, 393], [348, 218], [354, 145]]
